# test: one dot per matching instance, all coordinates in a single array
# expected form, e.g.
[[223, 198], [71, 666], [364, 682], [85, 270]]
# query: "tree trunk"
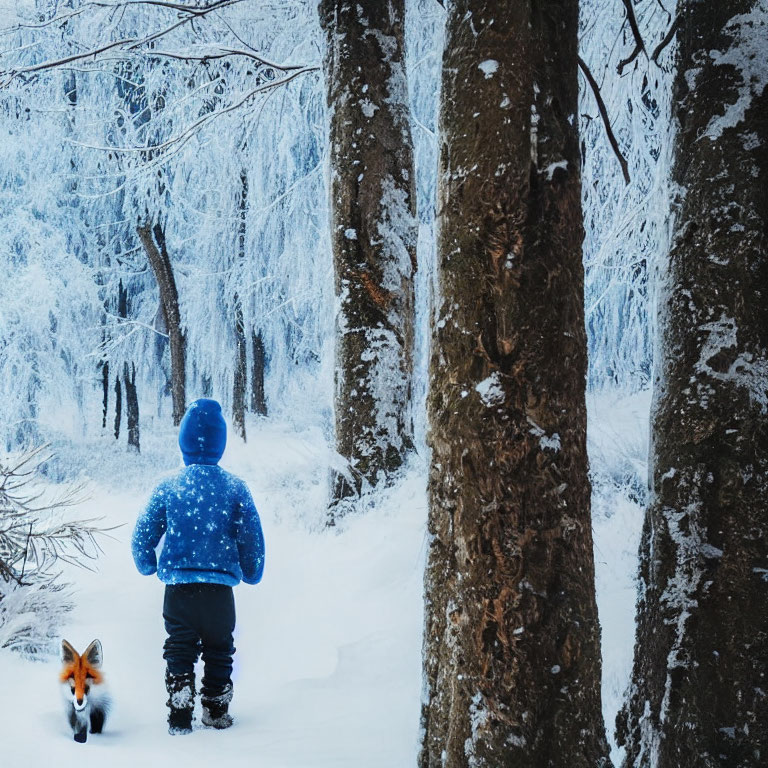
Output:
[[241, 371], [374, 232], [153, 240], [241, 357], [131, 406], [512, 642], [258, 399], [698, 695], [105, 388], [118, 407]]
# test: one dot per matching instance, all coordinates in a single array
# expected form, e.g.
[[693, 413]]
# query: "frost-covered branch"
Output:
[[127, 45], [30, 532], [183, 137], [33, 539], [606, 121], [61, 18], [223, 53]]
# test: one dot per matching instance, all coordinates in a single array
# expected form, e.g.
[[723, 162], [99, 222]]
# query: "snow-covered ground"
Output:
[[618, 448], [328, 662]]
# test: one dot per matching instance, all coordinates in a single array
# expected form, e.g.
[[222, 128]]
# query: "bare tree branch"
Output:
[[223, 53], [639, 44], [126, 44], [194, 11], [606, 122], [666, 41], [187, 134]]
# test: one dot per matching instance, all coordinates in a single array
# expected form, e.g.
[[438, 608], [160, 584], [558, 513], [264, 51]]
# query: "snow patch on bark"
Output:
[[545, 441], [489, 67], [388, 388], [552, 167], [490, 390], [478, 720], [746, 370], [680, 594], [398, 230], [748, 54], [368, 108]]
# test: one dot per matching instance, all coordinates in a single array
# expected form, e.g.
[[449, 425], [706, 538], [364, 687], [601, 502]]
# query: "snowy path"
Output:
[[328, 668], [327, 671]]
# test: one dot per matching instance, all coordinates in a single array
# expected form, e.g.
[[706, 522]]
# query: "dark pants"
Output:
[[200, 617]]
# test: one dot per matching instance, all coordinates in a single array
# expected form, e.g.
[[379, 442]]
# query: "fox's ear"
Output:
[[68, 653], [93, 654]]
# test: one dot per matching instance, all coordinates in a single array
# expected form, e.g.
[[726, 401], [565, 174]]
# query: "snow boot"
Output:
[[181, 702], [215, 708]]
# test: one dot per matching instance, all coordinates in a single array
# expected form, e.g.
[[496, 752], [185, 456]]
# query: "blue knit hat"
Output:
[[203, 433]]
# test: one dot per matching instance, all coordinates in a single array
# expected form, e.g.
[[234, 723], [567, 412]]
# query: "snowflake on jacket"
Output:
[[211, 526]]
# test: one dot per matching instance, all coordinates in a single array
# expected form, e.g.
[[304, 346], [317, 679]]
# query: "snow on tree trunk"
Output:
[[105, 392], [698, 695], [240, 378], [241, 370], [153, 240], [373, 232], [131, 406], [512, 641], [118, 406], [258, 398]]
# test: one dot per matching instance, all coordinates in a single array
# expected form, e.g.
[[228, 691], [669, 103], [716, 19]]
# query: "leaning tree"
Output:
[[512, 641], [698, 695]]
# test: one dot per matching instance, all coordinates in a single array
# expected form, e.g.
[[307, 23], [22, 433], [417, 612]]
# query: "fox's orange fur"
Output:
[[82, 684], [80, 671]]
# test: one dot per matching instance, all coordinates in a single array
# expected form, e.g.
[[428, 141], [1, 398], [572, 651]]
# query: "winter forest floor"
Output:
[[327, 671]]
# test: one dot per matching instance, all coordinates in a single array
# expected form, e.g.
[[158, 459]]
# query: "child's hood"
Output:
[[203, 433]]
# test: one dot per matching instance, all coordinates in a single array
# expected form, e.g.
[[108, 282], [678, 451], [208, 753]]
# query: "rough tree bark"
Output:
[[512, 642], [131, 406], [241, 370], [240, 379], [105, 388], [118, 406], [698, 695], [258, 398], [153, 240], [374, 233]]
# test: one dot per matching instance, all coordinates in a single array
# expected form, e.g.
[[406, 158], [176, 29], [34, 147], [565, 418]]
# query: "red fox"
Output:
[[87, 702]]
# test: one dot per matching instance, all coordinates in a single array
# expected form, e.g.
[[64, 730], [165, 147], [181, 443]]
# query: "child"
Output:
[[213, 539]]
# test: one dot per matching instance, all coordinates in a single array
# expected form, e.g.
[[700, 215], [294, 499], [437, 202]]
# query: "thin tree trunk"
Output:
[[241, 356], [698, 695], [118, 407], [131, 406], [374, 232], [153, 240], [122, 312], [258, 399], [105, 388], [512, 642], [241, 371]]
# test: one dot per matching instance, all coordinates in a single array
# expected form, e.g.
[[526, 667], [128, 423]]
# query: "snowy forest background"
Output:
[[76, 182], [216, 132]]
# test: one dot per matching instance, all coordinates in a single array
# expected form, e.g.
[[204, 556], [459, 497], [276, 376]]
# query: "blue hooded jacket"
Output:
[[212, 529]]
